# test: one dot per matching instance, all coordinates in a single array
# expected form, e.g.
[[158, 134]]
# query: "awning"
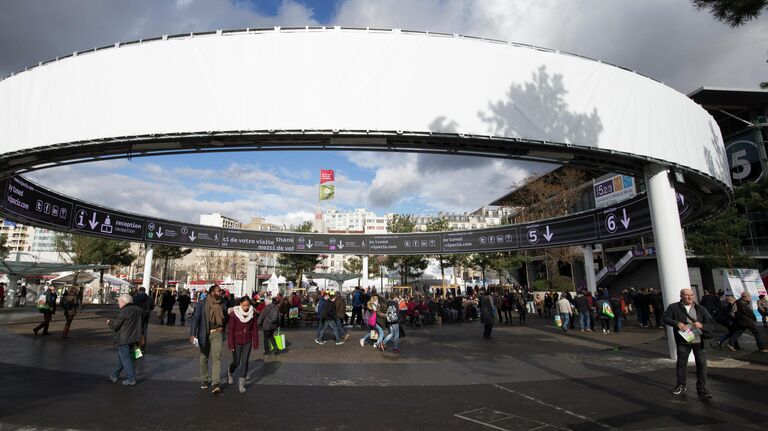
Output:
[[22, 268]]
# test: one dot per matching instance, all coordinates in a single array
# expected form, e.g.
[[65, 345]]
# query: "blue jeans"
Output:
[[329, 324], [320, 327], [125, 361], [340, 328], [378, 329], [584, 320], [394, 333], [566, 319]]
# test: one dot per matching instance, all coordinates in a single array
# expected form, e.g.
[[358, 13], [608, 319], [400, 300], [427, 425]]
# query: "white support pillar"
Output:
[[10, 292], [364, 281], [668, 234], [148, 268], [589, 268], [251, 274]]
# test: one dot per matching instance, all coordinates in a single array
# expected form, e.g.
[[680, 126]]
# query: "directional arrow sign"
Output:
[[341, 245], [548, 235], [309, 244], [625, 219], [113, 224], [632, 216], [172, 233]]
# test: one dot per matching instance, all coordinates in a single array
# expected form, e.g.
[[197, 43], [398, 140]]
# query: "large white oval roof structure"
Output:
[[343, 82]]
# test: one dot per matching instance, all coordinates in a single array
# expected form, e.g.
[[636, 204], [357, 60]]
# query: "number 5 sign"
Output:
[[744, 161]]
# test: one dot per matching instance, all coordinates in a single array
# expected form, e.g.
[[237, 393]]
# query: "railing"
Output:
[[615, 269]]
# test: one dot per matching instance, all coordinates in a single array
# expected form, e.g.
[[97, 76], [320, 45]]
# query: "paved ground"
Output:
[[446, 378]]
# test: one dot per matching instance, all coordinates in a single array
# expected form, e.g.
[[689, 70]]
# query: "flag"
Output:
[[327, 191], [327, 188], [326, 176]]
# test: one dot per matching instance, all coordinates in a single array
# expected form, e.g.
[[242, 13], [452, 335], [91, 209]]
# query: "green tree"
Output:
[[406, 266], [298, 264], [88, 250], [168, 253], [507, 262], [733, 12], [482, 261], [4, 250], [717, 241]]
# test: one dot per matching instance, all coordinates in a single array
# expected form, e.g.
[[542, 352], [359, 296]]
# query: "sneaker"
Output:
[[204, 385], [319, 342], [339, 343], [362, 343], [113, 379], [703, 393], [589, 330], [679, 390], [216, 389], [729, 347], [129, 382], [582, 330], [763, 350], [396, 350], [346, 336]]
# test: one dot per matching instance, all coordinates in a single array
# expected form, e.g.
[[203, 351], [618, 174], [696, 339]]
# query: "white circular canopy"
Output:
[[382, 83]]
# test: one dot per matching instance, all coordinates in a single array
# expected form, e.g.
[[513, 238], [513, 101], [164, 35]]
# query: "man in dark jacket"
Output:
[[486, 314], [166, 304], [658, 305], [268, 320], [207, 332], [48, 308], [184, 301], [582, 306], [127, 328], [142, 301], [746, 320], [694, 322]]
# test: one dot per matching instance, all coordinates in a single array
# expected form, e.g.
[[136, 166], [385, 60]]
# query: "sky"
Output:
[[668, 40]]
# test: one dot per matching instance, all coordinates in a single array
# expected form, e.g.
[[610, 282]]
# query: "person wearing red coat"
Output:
[[242, 337]]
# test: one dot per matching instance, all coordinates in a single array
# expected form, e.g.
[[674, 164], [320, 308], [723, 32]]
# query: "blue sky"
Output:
[[283, 186]]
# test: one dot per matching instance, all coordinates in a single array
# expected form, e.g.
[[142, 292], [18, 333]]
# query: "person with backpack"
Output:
[[393, 324], [70, 306], [242, 337], [46, 304], [268, 320]]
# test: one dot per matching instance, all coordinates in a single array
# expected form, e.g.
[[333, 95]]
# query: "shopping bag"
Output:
[[606, 310], [293, 313], [42, 303], [374, 334], [137, 353], [372, 319], [558, 322], [280, 340]]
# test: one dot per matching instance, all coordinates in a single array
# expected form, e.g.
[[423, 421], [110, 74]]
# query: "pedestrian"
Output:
[[127, 334], [605, 312], [642, 302], [692, 321], [373, 320], [242, 337], [2, 295], [341, 315], [746, 321], [207, 333], [506, 308], [357, 307], [618, 312], [184, 301], [725, 316], [23, 296], [582, 307], [497, 301], [69, 305], [267, 321], [166, 304], [522, 309], [393, 324], [143, 301], [762, 308], [46, 304], [657, 300], [563, 307], [328, 319], [487, 314]]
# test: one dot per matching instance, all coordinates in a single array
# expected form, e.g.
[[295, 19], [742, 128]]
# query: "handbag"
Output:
[[374, 334], [558, 321], [372, 319], [279, 339]]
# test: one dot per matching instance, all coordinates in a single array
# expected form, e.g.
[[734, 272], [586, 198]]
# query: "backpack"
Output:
[[392, 315]]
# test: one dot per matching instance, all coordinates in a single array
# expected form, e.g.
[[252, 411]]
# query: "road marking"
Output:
[[483, 414], [560, 409]]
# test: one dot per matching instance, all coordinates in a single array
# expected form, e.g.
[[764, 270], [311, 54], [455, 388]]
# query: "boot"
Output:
[[230, 379], [241, 384]]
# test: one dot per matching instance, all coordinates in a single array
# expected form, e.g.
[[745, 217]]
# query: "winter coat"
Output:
[[184, 301], [486, 310], [582, 304], [199, 327], [240, 334], [142, 301], [329, 311], [127, 325], [341, 307], [676, 314], [167, 302], [268, 318], [745, 315], [50, 299]]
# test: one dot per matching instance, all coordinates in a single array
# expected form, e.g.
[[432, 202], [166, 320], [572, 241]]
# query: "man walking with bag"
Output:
[[746, 321], [127, 329], [691, 323], [268, 320], [207, 333]]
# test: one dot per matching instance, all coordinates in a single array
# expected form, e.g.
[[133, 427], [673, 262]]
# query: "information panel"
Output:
[[405, 244], [559, 232], [187, 235], [278, 242], [31, 201], [321, 243], [484, 240], [110, 224]]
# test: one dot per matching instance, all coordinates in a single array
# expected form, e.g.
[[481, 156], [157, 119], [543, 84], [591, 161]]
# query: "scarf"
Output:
[[213, 313], [242, 315]]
